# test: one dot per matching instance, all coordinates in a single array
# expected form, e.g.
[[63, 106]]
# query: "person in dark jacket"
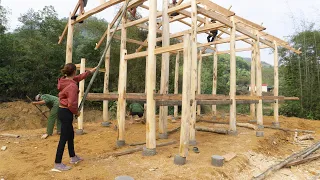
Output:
[[213, 33], [68, 100]]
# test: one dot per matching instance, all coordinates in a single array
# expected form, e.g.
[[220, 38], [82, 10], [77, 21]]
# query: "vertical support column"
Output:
[[233, 84], [259, 132], [69, 41], [276, 86], [215, 79], [176, 83], [180, 159], [79, 131], [164, 84], [253, 84], [105, 113], [150, 148], [194, 60], [199, 81], [121, 108]]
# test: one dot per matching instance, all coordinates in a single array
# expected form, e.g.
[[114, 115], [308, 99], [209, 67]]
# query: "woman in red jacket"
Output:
[[68, 99]]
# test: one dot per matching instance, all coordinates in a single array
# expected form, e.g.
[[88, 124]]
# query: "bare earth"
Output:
[[30, 157]]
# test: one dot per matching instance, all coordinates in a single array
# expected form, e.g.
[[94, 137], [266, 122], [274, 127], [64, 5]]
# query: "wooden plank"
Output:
[[249, 23], [176, 83], [151, 78], [186, 87], [69, 46], [122, 84], [253, 83], [81, 93], [131, 41], [194, 55], [233, 84], [105, 107], [258, 81], [216, 7], [199, 82], [164, 81], [215, 79], [237, 50], [214, 16]]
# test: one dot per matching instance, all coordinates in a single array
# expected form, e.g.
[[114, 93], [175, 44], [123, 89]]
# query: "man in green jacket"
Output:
[[52, 102], [136, 109]]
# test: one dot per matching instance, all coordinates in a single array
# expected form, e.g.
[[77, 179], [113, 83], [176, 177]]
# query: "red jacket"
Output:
[[68, 95]]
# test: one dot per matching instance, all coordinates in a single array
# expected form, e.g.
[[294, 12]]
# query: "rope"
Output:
[[102, 57]]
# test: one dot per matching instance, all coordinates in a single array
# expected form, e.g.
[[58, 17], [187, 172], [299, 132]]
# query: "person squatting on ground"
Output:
[[136, 109], [212, 34], [52, 102], [68, 99]]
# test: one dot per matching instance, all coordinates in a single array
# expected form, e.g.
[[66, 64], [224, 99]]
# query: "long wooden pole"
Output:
[[176, 83], [105, 113], [81, 93], [199, 81], [164, 83], [233, 108], [258, 82], [215, 78], [121, 107], [69, 41], [151, 82], [186, 91], [276, 86], [253, 84], [194, 60]]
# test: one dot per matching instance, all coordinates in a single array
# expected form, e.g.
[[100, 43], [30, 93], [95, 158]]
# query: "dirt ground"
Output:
[[30, 157]]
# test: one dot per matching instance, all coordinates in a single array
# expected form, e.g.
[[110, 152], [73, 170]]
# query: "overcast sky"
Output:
[[276, 15]]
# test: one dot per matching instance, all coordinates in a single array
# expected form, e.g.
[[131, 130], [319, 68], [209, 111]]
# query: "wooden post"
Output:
[[253, 84], [81, 93], [176, 83], [180, 159], [150, 149], [105, 113], [164, 84], [69, 41], [121, 108], [215, 78], [259, 83], [233, 84], [199, 81], [276, 86], [194, 60]]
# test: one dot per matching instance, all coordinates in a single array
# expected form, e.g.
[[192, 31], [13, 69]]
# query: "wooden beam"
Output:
[[276, 85], [228, 32], [186, 87], [151, 80], [215, 79], [105, 113], [121, 106], [69, 46], [131, 41], [215, 16], [164, 81], [199, 81], [66, 27], [81, 93], [249, 23], [176, 83], [258, 81], [233, 84], [253, 83], [194, 55], [216, 7]]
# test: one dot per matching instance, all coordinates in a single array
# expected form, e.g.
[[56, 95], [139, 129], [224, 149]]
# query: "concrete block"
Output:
[[192, 142], [106, 124], [252, 121], [121, 143], [79, 132], [149, 152], [259, 133], [232, 133], [124, 178], [179, 160], [217, 160], [163, 136], [276, 124]]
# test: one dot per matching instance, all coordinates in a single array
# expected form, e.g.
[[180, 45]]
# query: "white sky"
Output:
[[275, 15]]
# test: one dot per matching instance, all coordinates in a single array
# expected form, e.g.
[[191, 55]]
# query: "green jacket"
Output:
[[136, 107], [50, 100]]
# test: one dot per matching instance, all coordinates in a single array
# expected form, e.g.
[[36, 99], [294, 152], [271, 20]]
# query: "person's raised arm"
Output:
[[84, 75], [38, 102]]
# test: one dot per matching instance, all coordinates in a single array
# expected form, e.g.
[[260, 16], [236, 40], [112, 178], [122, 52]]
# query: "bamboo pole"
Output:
[[276, 85], [69, 41], [199, 82], [233, 109], [164, 83], [151, 81], [194, 56], [105, 113], [186, 91], [258, 81], [253, 83], [215, 78], [81, 93], [121, 107], [176, 83]]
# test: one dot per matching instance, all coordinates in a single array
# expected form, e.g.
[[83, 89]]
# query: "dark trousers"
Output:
[[140, 114], [67, 134]]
